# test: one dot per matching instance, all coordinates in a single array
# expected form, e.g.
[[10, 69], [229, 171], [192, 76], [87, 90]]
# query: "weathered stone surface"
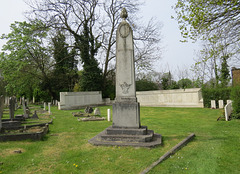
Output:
[[88, 110], [220, 104], [35, 116], [126, 129], [1, 110], [213, 104], [126, 114], [24, 104], [103, 139], [97, 111], [11, 107], [171, 98]]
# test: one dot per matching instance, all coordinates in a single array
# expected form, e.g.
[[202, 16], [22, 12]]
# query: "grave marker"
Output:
[[24, 104], [35, 116], [1, 110], [220, 104], [213, 104], [11, 107], [44, 106], [49, 108], [97, 111], [126, 129], [109, 114]]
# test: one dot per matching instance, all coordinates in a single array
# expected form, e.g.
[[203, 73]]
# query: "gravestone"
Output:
[[11, 107], [44, 106], [97, 111], [25, 113], [49, 108], [126, 129], [109, 114], [35, 116], [1, 110], [213, 104], [220, 104], [88, 110]]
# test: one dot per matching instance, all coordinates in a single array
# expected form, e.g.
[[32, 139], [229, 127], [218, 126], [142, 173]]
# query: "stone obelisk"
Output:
[[126, 129], [126, 107]]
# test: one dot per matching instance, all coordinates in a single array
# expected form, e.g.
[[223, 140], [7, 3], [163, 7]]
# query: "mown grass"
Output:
[[65, 149]]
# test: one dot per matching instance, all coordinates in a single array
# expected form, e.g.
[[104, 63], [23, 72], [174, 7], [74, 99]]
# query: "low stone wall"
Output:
[[77, 100], [171, 98]]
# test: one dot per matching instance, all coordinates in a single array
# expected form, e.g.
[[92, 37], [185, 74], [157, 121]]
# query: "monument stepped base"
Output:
[[141, 137]]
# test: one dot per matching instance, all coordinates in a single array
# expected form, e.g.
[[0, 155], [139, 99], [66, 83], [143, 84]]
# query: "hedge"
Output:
[[235, 96], [215, 94]]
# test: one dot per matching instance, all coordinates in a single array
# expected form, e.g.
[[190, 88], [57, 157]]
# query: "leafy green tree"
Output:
[[146, 85], [65, 73], [185, 83], [224, 74], [208, 17], [91, 79], [167, 82], [25, 61]]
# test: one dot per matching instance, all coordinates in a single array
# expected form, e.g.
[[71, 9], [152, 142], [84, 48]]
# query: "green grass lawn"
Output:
[[215, 149]]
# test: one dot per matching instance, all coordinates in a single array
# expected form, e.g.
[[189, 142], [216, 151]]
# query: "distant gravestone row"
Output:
[[220, 104]]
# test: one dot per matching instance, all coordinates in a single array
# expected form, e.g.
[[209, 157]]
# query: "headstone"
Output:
[[109, 114], [35, 116], [11, 107], [49, 108], [88, 110], [229, 101], [1, 110], [56, 102], [33, 99], [44, 106], [220, 104], [27, 102], [126, 129], [213, 104], [97, 111], [24, 108], [7, 101]]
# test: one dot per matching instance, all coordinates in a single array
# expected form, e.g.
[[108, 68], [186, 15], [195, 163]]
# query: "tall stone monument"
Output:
[[126, 129]]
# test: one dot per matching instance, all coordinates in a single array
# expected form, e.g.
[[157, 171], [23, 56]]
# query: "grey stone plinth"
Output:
[[126, 114], [126, 131], [127, 137]]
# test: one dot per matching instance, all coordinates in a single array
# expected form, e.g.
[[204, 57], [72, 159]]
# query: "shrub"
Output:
[[215, 94], [235, 97], [145, 85]]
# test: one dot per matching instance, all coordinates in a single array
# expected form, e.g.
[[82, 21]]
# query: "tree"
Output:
[[91, 79], [185, 83], [208, 17], [224, 73], [146, 85], [167, 81], [71, 16], [25, 61], [65, 68], [216, 23]]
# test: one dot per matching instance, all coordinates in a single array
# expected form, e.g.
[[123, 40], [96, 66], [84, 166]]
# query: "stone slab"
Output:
[[126, 131], [156, 141], [150, 139], [126, 115]]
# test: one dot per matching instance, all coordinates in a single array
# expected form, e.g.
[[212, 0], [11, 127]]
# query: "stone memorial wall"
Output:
[[171, 98], [76, 100]]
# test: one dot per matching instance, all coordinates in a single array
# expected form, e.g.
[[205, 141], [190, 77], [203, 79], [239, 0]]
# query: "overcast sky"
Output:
[[175, 53]]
